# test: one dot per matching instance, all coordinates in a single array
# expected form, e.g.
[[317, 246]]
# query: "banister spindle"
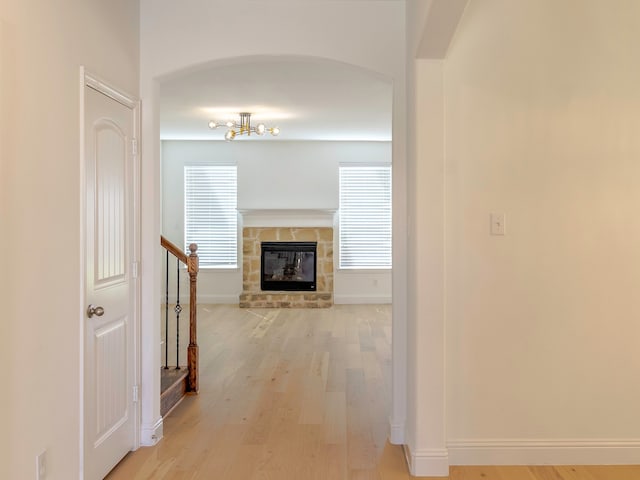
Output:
[[178, 309], [166, 316]]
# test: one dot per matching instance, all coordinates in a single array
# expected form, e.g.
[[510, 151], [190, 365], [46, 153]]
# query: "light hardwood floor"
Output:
[[291, 394]]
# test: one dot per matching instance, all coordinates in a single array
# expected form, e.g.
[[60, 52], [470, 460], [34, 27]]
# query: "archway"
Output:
[[151, 422]]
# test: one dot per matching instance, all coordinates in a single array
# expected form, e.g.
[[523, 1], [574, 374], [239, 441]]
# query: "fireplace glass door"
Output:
[[289, 266]]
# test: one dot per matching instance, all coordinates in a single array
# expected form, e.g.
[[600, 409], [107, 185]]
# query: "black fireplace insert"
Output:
[[289, 266]]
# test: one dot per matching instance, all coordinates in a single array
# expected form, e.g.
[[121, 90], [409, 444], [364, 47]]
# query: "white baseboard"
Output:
[[544, 452], [337, 299], [223, 299], [151, 434], [361, 299], [210, 298], [427, 463]]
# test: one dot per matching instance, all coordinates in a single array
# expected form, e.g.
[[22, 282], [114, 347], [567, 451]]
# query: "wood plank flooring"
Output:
[[297, 394]]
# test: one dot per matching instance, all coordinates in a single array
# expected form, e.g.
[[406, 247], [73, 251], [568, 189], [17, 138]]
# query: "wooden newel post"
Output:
[[192, 351]]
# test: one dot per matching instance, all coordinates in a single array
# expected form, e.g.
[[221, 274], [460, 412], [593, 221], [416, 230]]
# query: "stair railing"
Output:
[[192, 264]]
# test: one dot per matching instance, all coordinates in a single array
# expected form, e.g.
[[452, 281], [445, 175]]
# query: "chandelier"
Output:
[[243, 128]]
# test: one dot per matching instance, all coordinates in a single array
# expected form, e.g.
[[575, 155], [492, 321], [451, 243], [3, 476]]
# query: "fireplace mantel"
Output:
[[295, 217]]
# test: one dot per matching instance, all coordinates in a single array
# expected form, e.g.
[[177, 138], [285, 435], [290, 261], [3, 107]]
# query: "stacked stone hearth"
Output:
[[253, 297]]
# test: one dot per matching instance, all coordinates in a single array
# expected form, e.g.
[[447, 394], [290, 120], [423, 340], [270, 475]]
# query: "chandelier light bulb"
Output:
[[243, 127]]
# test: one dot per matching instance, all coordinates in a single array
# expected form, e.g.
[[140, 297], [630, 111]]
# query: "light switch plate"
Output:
[[497, 223]]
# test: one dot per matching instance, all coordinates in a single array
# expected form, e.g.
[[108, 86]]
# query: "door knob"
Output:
[[93, 310]]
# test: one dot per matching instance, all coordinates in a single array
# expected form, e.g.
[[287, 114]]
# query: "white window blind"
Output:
[[211, 217], [365, 217]]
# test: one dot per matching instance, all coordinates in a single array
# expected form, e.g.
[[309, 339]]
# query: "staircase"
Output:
[[173, 387], [178, 380]]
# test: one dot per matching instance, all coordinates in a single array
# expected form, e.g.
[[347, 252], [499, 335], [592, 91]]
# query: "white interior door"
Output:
[[109, 364]]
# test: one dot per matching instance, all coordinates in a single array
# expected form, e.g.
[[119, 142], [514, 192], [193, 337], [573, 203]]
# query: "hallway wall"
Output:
[[541, 108], [42, 46], [531, 112]]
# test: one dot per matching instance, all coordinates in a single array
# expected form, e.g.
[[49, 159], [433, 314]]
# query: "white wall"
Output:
[[541, 108], [42, 45], [311, 183]]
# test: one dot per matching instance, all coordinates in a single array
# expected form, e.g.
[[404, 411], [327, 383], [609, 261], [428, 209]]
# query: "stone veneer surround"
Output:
[[253, 297]]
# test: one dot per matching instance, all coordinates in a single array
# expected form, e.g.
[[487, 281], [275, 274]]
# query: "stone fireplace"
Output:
[[254, 297]]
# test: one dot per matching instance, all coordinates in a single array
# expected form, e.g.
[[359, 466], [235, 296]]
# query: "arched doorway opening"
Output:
[[233, 75]]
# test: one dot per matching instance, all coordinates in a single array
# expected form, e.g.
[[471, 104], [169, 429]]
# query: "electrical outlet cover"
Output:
[[41, 466]]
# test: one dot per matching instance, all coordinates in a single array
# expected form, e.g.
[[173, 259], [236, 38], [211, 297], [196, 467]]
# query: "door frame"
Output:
[[90, 81]]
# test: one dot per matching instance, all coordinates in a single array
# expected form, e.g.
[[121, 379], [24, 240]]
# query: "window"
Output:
[[365, 216], [211, 217]]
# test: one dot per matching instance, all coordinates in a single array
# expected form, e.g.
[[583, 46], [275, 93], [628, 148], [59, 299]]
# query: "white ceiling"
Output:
[[307, 99]]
